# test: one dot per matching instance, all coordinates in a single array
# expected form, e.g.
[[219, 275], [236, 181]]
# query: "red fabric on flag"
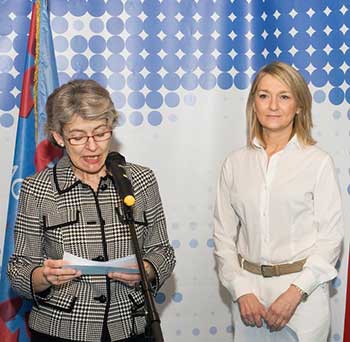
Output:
[[45, 154], [8, 310], [27, 101]]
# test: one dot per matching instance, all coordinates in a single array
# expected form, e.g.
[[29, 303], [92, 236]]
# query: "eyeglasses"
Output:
[[83, 139]]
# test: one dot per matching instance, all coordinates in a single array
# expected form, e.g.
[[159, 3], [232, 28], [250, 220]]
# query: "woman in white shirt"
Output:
[[278, 217]]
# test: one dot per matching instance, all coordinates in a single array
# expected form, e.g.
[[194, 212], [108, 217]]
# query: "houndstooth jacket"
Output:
[[58, 213]]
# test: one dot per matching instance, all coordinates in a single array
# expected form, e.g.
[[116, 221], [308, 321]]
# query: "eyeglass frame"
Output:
[[87, 137]]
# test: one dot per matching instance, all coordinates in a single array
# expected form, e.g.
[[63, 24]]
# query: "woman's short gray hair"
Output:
[[85, 98]]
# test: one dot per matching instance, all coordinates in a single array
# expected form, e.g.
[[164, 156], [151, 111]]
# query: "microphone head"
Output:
[[115, 164], [114, 158]]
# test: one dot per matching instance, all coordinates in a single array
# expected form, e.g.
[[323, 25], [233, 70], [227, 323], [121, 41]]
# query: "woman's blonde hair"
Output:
[[85, 98], [295, 82]]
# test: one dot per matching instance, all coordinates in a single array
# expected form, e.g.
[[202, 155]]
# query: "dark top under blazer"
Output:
[[58, 213]]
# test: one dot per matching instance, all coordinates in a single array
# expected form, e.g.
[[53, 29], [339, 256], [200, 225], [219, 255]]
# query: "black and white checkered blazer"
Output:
[[58, 213]]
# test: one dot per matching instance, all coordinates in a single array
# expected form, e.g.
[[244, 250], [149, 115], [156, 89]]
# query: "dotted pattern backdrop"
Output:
[[161, 61], [145, 51]]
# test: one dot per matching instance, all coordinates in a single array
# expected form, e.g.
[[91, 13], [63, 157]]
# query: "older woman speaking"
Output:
[[73, 207]]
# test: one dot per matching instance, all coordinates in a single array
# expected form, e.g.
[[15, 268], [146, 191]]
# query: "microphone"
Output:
[[115, 163]]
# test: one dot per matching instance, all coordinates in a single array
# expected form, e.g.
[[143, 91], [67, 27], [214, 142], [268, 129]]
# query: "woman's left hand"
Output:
[[132, 279], [282, 309]]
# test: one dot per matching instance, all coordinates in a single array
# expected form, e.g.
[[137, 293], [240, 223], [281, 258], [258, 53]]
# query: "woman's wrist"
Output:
[[149, 269], [39, 280], [303, 294]]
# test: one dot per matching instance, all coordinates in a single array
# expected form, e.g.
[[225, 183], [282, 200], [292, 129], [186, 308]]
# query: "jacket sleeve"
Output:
[[226, 225], [156, 248], [28, 250], [320, 265]]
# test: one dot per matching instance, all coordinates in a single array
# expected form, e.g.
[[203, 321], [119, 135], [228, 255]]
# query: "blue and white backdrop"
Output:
[[179, 71]]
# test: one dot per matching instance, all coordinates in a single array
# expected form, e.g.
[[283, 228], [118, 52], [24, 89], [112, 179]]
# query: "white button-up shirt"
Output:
[[278, 211]]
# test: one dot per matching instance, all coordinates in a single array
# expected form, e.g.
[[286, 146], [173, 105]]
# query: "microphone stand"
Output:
[[151, 314]]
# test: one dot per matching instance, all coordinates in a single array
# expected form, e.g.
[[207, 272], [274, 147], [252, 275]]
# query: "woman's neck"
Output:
[[93, 180], [275, 141]]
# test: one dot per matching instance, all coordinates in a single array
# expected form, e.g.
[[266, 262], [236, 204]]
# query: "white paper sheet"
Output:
[[89, 267]]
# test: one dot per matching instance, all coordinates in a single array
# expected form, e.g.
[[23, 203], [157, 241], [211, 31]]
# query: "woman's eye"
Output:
[[262, 96], [100, 135], [77, 138], [285, 97]]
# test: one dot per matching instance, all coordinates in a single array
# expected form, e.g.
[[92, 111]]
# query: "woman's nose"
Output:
[[273, 103], [91, 144]]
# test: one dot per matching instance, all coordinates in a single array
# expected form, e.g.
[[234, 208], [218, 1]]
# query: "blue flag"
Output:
[[32, 153]]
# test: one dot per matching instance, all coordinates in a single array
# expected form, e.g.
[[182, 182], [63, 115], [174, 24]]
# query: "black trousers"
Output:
[[39, 337]]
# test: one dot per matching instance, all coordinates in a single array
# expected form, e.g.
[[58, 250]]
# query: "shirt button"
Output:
[[99, 258], [101, 299], [103, 187]]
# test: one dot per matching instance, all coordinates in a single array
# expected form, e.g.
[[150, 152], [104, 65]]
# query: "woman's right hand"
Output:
[[252, 311], [52, 273]]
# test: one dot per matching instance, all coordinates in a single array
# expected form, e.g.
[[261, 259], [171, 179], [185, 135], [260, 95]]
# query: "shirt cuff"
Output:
[[155, 260], [306, 281], [239, 287], [316, 272], [39, 296]]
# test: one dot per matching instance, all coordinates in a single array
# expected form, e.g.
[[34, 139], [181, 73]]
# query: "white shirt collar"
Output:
[[292, 143]]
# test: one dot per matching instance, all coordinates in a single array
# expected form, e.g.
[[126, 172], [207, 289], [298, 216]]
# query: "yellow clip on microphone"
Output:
[[129, 200]]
